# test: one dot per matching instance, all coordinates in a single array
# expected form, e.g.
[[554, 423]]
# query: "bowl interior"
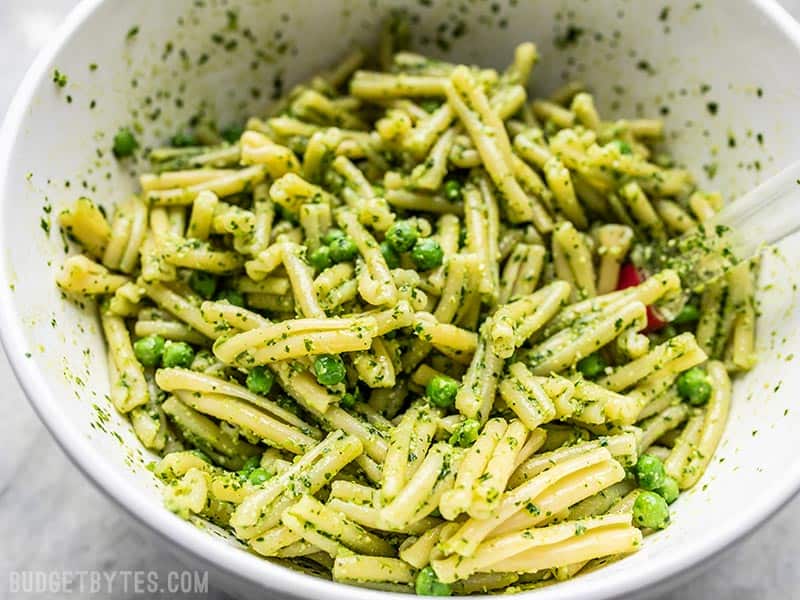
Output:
[[729, 117]]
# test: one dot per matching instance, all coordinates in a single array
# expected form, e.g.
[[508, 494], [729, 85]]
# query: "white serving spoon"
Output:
[[763, 216]]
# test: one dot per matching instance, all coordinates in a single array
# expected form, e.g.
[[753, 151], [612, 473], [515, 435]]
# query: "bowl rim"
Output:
[[669, 568]]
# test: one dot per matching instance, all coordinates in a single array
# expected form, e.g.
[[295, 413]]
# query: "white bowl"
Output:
[[742, 55]]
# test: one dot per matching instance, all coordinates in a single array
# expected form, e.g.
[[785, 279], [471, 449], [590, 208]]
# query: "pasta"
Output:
[[391, 332]]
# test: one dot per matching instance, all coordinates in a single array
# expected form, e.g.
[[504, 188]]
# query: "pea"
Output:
[[204, 284], [391, 257], [402, 236], [343, 249], [430, 106], [689, 314], [668, 490], [624, 147], [664, 334], [550, 128], [177, 354], [442, 390], [694, 387], [320, 258], [234, 297], [331, 235], [452, 190], [592, 366], [232, 133], [664, 160], [329, 369], [260, 380], [259, 476], [250, 464], [428, 584], [124, 143], [347, 400], [350, 399], [183, 140], [427, 254], [465, 433], [650, 510], [650, 472], [148, 350]]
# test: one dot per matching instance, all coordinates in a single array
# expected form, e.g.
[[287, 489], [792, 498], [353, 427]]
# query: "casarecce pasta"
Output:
[[390, 332]]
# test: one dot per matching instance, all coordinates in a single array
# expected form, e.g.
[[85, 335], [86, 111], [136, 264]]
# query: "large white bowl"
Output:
[[737, 59]]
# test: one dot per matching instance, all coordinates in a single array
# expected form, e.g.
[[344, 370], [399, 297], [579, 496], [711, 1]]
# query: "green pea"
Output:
[[204, 284], [148, 350], [347, 400], [429, 105], [331, 235], [624, 147], [232, 133], [124, 143], [694, 387], [465, 433], [650, 510], [666, 333], [329, 369], [259, 476], [234, 297], [183, 140], [592, 366], [260, 380], [343, 249], [442, 390], [402, 236], [664, 160], [668, 490], [427, 254], [452, 190], [250, 464], [350, 399], [320, 258], [689, 314], [650, 472], [177, 354], [428, 584], [391, 257]]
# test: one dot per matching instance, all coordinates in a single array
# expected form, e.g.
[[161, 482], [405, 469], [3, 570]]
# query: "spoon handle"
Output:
[[764, 215], [737, 233]]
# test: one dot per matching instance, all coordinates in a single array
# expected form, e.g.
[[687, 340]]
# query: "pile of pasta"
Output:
[[534, 206]]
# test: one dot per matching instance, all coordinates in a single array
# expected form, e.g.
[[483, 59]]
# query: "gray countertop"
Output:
[[52, 519]]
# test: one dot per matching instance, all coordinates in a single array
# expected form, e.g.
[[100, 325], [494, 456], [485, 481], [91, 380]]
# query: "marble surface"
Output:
[[53, 519]]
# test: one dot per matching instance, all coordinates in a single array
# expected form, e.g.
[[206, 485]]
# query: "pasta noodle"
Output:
[[388, 335]]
